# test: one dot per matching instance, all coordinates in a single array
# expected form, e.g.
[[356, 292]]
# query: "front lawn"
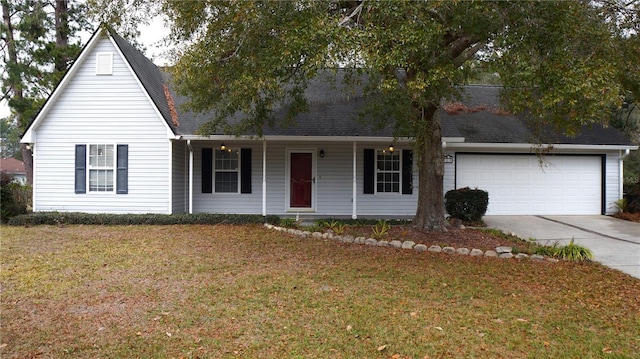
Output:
[[202, 291]]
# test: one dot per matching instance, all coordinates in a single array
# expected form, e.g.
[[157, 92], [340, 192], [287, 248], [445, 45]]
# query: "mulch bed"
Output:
[[633, 217], [457, 238]]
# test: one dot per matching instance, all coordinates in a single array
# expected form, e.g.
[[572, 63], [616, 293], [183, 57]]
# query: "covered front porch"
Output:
[[308, 177]]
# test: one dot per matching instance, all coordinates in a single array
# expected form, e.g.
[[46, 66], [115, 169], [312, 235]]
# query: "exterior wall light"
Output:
[[448, 159]]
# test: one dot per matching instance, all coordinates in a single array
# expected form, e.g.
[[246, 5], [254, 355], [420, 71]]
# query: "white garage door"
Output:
[[520, 185]]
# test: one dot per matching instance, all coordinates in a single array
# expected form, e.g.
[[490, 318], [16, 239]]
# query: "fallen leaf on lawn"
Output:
[[395, 356], [138, 333], [413, 314], [546, 344], [522, 320], [439, 328], [3, 345], [168, 334], [481, 334], [382, 347], [349, 328], [607, 350]]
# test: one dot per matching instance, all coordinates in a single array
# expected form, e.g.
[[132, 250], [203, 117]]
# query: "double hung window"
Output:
[[104, 168], [101, 165], [226, 171], [387, 172]]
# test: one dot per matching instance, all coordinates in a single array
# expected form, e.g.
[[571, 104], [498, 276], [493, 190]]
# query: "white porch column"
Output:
[[190, 176], [264, 178], [354, 213]]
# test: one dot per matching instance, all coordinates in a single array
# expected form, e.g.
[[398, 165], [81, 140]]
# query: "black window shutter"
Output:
[[369, 171], [81, 169], [207, 170], [407, 173], [122, 176], [245, 170]]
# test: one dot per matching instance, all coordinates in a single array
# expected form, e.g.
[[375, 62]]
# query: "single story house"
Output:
[[14, 168], [112, 138]]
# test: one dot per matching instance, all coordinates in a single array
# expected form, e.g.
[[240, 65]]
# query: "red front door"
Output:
[[301, 180]]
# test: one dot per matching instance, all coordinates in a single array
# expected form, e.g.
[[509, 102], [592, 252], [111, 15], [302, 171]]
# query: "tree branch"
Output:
[[234, 53], [467, 54], [356, 12]]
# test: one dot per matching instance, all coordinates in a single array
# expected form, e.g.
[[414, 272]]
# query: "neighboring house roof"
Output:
[[12, 166]]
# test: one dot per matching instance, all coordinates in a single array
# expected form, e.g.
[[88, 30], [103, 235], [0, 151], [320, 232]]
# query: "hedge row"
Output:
[[58, 218]]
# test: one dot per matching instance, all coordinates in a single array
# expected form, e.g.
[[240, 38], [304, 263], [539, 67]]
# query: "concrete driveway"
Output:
[[614, 242]]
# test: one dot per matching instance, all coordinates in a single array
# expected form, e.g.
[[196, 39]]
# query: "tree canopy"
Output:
[[39, 45]]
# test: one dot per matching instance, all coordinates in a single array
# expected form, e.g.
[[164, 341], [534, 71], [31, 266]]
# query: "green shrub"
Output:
[[549, 251], [61, 218], [466, 204], [381, 229], [14, 197], [573, 252]]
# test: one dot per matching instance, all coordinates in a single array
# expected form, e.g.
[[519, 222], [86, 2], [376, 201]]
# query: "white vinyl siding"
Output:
[[240, 203], [449, 178], [180, 177], [96, 110], [612, 182]]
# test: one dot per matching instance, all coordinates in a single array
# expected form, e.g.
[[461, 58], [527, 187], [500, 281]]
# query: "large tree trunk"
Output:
[[27, 159], [62, 32], [430, 211]]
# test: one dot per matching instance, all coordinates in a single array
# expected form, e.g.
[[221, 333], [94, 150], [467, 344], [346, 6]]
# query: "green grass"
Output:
[[242, 291]]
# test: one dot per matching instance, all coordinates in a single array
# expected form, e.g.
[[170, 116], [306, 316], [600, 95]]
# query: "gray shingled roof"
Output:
[[331, 112], [334, 113], [494, 126]]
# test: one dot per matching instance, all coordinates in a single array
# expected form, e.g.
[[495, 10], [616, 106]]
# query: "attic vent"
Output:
[[104, 63]]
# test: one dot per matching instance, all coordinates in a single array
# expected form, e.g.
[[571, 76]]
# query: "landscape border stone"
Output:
[[502, 252]]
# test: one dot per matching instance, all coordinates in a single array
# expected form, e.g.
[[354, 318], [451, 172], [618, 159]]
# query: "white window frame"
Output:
[[104, 63], [111, 168], [216, 154], [399, 171]]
